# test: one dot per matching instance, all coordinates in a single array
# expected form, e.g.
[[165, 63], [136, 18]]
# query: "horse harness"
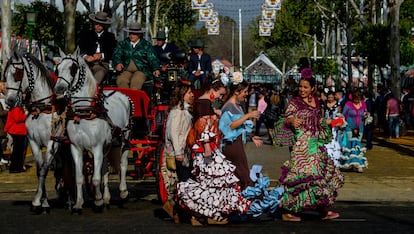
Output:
[[95, 109], [34, 107]]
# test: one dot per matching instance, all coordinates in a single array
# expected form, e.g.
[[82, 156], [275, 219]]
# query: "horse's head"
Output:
[[16, 79], [74, 76], [68, 72]]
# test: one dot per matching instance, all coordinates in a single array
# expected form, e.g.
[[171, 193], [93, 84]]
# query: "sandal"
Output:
[[169, 208], [290, 218], [196, 223], [331, 215]]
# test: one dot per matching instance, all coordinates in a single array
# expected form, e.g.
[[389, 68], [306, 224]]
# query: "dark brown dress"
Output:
[[234, 152]]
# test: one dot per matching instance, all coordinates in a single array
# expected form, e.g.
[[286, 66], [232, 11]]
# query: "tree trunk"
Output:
[[371, 68], [69, 12], [394, 7], [6, 33]]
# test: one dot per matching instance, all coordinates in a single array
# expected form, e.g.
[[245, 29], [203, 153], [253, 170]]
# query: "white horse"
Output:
[[91, 128], [28, 82]]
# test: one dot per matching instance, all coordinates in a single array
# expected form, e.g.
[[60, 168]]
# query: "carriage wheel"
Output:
[[162, 193], [157, 166]]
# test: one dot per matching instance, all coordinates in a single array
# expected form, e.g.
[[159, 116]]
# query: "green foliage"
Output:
[[324, 67], [49, 23], [373, 42], [180, 19], [406, 23], [407, 51]]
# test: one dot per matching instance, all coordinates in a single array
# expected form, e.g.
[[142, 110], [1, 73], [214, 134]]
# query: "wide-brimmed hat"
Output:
[[160, 35], [135, 28], [198, 44], [100, 17]]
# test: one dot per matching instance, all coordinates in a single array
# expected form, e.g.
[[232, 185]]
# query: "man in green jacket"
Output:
[[135, 59]]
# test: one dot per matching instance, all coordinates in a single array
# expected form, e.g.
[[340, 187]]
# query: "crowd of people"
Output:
[[205, 170]]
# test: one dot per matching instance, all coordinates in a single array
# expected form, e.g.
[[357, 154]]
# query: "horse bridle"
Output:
[[30, 76], [80, 80]]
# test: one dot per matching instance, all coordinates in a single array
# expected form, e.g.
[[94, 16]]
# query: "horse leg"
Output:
[[50, 152], [105, 181], [77, 155], [96, 179], [37, 154], [106, 193], [123, 189], [45, 202]]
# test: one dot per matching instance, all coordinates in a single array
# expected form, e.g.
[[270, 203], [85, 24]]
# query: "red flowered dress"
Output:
[[214, 192]]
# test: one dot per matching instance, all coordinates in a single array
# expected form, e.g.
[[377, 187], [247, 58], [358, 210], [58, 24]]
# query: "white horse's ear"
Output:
[[77, 52], [62, 54], [15, 54], [7, 53]]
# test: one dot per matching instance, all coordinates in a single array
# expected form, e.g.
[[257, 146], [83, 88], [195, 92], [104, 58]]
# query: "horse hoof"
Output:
[[76, 211], [124, 194], [36, 209], [122, 202], [98, 209], [46, 210]]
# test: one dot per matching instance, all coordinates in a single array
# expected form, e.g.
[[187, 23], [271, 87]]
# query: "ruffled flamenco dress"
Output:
[[214, 192]]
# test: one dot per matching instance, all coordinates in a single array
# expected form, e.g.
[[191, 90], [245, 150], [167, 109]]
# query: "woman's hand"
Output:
[[295, 122], [179, 157], [257, 141], [217, 111], [329, 121], [254, 114]]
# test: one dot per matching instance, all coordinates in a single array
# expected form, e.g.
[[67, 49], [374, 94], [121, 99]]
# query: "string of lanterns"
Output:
[[208, 15], [269, 10]]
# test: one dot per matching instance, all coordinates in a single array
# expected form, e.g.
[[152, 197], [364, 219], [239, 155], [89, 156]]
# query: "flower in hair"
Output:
[[306, 73], [237, 78]]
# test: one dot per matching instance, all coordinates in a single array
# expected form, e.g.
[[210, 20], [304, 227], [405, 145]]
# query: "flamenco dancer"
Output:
[[214, 194], [310, 178]]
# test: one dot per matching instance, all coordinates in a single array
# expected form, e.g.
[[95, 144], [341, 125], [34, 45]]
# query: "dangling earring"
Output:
[[211, 96]]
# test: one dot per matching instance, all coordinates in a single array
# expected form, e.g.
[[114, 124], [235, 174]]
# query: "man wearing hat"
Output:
[[199, 66], [162, 47], [97, 45], [135, 59]]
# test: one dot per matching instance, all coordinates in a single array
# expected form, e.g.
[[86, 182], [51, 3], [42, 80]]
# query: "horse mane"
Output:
[[45, 74], [89, 75], [5, 69]]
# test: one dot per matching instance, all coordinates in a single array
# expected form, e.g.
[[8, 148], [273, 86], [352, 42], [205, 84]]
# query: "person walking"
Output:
[[3, 117], [176, 165], [214, 174], [261, 107], [235, 126], [97, 45], [272, 114], [369, 121], [331, 112], [310, 179], [353, 151], [16, 127], [392, 115]]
